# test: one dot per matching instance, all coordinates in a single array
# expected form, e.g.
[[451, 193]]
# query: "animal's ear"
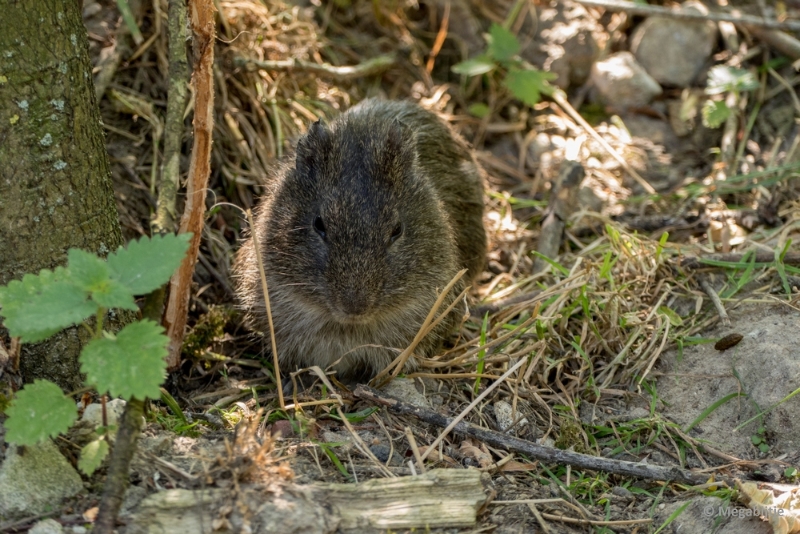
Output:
[[312, 148], [400, 144]]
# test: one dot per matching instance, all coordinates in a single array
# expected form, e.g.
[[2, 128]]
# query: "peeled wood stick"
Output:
[[202, 23], [534, 450]]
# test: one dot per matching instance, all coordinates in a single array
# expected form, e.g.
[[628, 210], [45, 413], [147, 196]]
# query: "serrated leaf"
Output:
[[148, 263], [129, 365], [92, 456], [41, 410], [93, 275], [715, 113], [479, 110], [503, 45], [722, 79], [40, 305], [528, 85], [86, 270], [475, 66]]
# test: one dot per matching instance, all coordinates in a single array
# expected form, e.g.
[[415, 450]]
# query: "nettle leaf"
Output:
[[93, 275], [41, 410], [503, 45], [92, 456], [528, 85], [475, 66], [148, 263], [715, 113], [129, 365], [40, 305], [722, 79]]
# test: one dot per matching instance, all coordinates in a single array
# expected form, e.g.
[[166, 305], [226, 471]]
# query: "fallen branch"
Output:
[[649, 10], [761, 257], [370, 67], [534, 450]]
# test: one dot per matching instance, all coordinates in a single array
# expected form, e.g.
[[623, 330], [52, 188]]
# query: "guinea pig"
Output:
[[359, 232]]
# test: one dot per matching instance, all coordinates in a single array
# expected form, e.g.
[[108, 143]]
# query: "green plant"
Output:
[[525, 82], [724, 79], [129, 364]]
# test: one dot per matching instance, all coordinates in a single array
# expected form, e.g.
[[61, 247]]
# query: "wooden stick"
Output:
[[534, 450], [723, 315], [372, 66], [203, 31], [649, 10]]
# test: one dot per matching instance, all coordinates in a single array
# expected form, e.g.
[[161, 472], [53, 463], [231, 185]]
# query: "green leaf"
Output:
[[92, 456], [723, 79], [528, 85], [715, 113], [93, 275], [503, 45], [479, 110], [129, 365], [41, 410], [39, 306], [475, 66], [148, 263], [672, 316]]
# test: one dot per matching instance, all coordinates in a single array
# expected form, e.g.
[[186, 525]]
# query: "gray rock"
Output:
[[674, 51], [621, 82], [47, 526], [405, 390], [35, 481], [94, 412]]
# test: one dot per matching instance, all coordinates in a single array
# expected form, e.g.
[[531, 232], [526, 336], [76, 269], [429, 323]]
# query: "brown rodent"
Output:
[[359, 233]]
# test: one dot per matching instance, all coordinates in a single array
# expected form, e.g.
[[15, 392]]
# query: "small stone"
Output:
[[47, 526], [94, 412], [622, 82], [35, 479], [405, 390], [675, 51]]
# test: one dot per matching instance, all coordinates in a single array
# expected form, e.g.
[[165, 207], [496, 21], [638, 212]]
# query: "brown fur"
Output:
[[360, 293]]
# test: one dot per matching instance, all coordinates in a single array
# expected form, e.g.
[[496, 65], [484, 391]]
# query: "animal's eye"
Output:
[[319, 226], [396, 233]]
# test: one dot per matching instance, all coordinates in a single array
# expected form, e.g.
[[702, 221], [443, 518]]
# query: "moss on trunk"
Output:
[[55, 185]]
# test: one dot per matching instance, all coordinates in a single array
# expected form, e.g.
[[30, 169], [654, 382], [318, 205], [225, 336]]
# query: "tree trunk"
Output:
[[55, 184]]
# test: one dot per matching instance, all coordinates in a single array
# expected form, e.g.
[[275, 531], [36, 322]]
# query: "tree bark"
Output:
[[55, 184]]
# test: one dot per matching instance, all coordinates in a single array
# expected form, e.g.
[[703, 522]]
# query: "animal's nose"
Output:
[[355, 301]]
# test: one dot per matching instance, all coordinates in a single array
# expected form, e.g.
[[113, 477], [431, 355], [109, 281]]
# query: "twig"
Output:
[[202, 21], [723, 315], [563, 201], [649, 10], [534, 450], [370, 67], [474, 403], [761, 257], [560, 98], [117, 478], [782, 42], [173, 129], [275, 361]]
